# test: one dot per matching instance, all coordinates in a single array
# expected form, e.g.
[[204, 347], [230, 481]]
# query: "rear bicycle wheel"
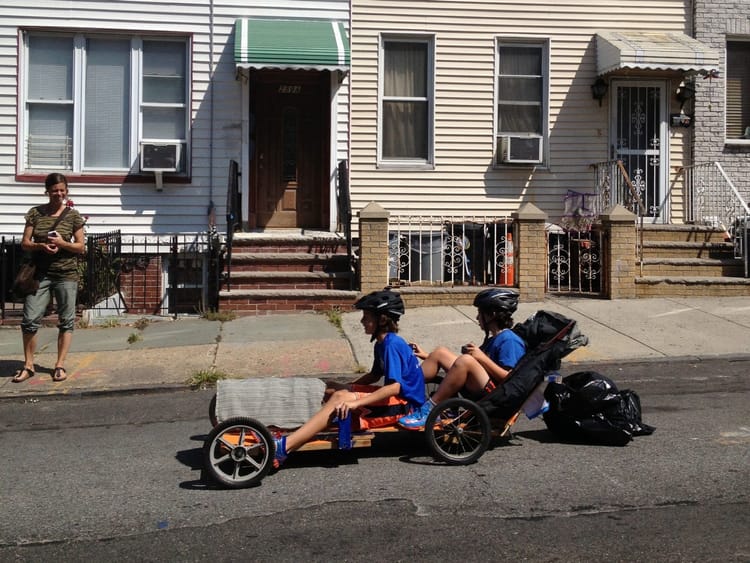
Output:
[[458, 431]]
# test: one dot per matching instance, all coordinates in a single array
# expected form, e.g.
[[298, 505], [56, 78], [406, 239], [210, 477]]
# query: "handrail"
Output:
[[712, 198], [608, 193], [234, 213], [345, 213]]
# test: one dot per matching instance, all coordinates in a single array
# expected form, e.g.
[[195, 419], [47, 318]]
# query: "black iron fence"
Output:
[[178, 274]]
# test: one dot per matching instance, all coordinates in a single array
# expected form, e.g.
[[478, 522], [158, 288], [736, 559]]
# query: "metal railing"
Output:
[[712, 199], [234, 215], [343, 199], [613, 186], [574, 261], [451, 251], [177, 274]]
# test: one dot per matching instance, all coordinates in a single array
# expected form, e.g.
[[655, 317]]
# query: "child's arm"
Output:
[[390, 390], [497, 373]]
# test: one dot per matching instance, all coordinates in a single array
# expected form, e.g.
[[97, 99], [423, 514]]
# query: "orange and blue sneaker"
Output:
[[280, 454], [417, 418]]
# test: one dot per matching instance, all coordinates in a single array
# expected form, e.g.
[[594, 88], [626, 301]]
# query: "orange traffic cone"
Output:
[[508, 274]]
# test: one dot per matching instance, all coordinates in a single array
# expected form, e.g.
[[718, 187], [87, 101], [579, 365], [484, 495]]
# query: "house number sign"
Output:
[[290, 89]]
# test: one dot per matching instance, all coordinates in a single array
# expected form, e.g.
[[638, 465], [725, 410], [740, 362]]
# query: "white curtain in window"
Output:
[[520, 90], [404, 120], [107, 130], [50, 102]]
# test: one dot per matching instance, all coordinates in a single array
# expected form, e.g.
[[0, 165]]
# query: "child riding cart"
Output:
[[251, 417]]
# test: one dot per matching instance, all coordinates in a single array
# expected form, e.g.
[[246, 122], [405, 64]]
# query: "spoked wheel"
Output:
[[458, 431], [238, 452]]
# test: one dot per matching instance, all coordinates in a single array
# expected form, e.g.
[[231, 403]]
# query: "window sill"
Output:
[[38, 178], [737, 142], [417, 166]]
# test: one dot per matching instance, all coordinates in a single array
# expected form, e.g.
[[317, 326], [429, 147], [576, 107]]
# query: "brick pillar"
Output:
[[619, 264], [531, 252], [373, 248]]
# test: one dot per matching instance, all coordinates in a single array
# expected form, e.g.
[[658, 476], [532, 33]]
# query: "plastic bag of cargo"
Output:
[[587, 407]]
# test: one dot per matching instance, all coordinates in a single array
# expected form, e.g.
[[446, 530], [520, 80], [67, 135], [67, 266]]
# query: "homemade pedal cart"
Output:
[[239, 450]]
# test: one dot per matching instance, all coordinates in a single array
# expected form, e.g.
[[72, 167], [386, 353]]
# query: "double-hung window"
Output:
[[521, 102], [738, 92], [90, 100], [406, 101]]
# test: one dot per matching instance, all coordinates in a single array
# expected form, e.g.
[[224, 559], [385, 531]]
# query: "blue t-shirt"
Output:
[[396, 363], [505, 349]]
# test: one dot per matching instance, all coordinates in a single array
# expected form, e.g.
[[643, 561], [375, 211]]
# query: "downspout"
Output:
[[211, 207]]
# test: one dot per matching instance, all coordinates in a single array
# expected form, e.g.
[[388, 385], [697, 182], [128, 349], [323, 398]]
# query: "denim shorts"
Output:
[[65, 292]]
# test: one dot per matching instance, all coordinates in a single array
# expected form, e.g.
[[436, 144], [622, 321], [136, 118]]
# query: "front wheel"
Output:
[[458, 431], [238, 452]]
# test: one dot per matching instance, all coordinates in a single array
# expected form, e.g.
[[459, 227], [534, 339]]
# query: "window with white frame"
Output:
[[406, 101], [521, 102], [89, 100], [738, 91]]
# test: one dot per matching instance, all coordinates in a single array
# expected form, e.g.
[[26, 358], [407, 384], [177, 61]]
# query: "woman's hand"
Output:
[[50, 247]]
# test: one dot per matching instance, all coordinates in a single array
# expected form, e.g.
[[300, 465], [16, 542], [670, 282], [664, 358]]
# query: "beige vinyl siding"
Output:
[[463, 179], [139, 209]]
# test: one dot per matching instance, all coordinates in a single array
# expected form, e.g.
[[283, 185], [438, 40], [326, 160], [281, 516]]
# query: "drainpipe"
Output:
[[211, 207]]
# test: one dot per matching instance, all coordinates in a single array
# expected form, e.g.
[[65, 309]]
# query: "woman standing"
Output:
[[53, 248]]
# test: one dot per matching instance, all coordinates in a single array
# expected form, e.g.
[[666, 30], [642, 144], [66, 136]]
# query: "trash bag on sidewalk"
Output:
[[587, 407]]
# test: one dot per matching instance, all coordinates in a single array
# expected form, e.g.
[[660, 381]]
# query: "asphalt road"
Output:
[[119, 478]]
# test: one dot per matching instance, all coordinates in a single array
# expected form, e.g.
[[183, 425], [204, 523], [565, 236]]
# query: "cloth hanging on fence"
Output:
[[580, 211]]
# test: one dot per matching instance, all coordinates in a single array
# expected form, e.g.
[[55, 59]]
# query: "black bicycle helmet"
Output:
[[386, 302], [497, 298]]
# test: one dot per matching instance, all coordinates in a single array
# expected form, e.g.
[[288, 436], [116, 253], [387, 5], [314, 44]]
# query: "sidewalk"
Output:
[[168, 352]]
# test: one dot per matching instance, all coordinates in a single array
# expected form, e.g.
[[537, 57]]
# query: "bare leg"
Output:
[[64, 338], [318, 422], [439, 358], [465, 372], [29, 347]]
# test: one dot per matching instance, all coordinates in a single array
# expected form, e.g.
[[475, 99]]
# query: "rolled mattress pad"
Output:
[[283, 402]]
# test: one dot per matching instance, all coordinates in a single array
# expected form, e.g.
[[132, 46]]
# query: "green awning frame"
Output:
[[291, 44]]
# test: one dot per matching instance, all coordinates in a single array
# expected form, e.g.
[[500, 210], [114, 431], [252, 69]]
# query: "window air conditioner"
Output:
[[160, 157], [521, 150]]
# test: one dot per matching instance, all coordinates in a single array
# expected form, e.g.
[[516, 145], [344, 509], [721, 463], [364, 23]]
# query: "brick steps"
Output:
[[284, 271], [689, 261]]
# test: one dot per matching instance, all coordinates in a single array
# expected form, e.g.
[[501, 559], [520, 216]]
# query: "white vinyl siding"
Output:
[[214, 107], [464, 179]]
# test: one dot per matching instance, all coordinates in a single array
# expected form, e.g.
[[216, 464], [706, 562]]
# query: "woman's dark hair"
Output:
[[53, 179]]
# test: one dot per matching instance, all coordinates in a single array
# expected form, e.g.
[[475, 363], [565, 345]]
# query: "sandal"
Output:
[[60, 374], [23, 375]]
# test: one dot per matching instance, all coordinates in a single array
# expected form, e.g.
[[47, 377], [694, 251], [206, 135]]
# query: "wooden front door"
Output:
[[290, 149]]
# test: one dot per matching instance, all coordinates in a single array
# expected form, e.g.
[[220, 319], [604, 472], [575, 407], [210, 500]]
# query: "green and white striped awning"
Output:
[[293, 44]]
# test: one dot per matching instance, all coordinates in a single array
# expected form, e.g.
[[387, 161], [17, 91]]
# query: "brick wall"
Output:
[[714, 20], [142, 288]]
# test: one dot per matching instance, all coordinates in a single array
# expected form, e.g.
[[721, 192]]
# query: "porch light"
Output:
[[685, 92], [599, 90]]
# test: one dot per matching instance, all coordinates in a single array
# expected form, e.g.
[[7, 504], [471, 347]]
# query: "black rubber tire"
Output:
[[238, 453], [212, 411], [458, 431]]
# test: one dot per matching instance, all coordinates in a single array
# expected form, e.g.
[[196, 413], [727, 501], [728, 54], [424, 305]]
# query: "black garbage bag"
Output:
[[587, 407]]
